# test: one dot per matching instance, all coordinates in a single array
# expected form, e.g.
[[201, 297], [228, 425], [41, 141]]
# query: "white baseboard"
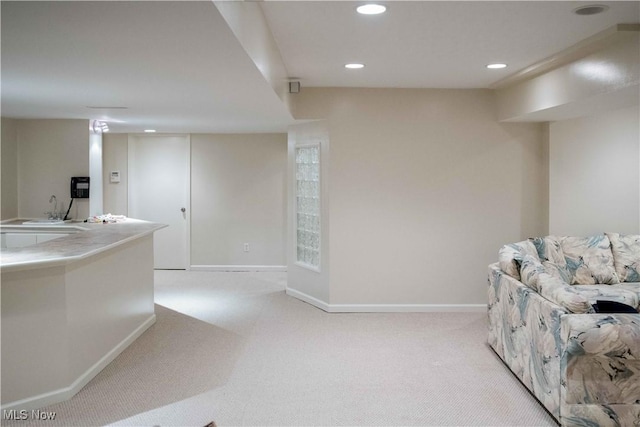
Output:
[[387, 308], [241, 268], [309, 299], [66, 393]]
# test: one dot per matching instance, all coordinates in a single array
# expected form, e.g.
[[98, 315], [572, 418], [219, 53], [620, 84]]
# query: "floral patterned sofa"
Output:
[[581, 364]]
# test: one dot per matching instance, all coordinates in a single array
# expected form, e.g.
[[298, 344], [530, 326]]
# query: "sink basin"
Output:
[[44, 222]]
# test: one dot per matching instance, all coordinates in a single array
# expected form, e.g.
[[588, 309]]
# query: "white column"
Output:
[[95, 173]]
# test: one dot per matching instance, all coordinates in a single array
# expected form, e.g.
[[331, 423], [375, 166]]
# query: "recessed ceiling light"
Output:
[[354, 66], [99, 127], [591, 9], [496, 66], [149, 130], [371, 9]]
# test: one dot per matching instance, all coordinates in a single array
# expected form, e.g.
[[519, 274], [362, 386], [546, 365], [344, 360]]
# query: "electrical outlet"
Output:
[[245, 247]]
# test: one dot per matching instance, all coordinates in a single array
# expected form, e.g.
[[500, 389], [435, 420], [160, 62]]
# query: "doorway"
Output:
[[159, 181]]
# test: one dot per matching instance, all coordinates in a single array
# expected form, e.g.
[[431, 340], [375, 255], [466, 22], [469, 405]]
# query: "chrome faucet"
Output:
[[53, 214]]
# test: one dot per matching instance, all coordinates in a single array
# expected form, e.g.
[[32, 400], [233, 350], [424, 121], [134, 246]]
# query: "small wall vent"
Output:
[[294, 87]]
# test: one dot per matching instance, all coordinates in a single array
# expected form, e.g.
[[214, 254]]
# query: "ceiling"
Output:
[[435, 44], [177, 66]]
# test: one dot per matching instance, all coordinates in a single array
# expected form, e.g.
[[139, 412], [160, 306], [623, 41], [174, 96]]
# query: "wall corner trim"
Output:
[[387, 308], [308, 299]]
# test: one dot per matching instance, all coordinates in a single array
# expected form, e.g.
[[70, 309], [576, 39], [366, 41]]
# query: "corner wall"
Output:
[[595, 174], [50, 152], [426, 186], [114, 158], [238, 196], [303, 283], [96, 202], [9, 154]]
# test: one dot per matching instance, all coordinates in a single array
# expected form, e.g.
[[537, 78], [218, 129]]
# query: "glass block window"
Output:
[[308, 205]]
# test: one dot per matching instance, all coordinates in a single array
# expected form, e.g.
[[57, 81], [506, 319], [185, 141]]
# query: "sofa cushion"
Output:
[[559, 292], [626, 256], [559, 271], [510, 257], [616, 293], [529, 270], [589, 260], [548, 249], [631, 286], [531, 267]]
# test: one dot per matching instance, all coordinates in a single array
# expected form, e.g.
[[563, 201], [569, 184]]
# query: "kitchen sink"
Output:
[[44, 222]]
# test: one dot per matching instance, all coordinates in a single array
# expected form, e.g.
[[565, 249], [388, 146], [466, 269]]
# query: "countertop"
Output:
[[87, 239]]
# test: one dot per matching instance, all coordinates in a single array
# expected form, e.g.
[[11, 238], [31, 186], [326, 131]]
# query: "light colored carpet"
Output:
[[233, 348]]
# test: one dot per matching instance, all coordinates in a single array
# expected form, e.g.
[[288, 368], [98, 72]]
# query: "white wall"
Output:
[[114, 158], [594, 174], [9, 154], [426, 186], [50, 152], [238, 195]]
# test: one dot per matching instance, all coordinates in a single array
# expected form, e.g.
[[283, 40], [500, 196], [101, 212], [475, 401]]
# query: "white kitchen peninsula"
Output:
[[70, 305]]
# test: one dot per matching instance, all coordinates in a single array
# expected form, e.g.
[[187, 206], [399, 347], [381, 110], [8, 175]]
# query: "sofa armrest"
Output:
[[524, 331], [600, 368], [561, 293]]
